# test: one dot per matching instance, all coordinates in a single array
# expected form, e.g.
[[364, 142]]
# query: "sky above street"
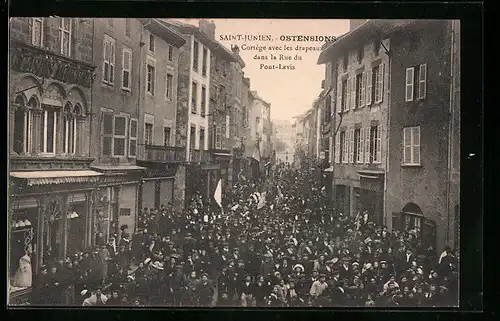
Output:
[[290, 92]]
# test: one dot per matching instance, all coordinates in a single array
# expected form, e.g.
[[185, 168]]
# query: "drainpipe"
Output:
[[387, 139], [450, 133]]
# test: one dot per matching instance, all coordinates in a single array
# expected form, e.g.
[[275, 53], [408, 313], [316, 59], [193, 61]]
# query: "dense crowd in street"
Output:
[[276, 243]]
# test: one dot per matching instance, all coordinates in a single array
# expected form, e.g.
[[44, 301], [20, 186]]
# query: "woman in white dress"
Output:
[[23, 277]]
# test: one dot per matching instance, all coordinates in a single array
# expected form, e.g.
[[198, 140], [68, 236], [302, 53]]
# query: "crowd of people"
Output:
[[275, 243]]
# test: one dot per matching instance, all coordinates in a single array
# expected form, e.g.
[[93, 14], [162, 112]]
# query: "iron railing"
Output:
[[161, 153]]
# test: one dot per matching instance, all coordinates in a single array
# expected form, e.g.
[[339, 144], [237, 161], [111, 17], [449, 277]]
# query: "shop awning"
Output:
[[56, 177], [370, 174], [222, 154], [119, 168]]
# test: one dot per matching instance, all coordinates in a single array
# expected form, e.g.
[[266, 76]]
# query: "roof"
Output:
[[212, 44], [120, 168], [56, 177], [367, 30], [161, 30], [256, 96]]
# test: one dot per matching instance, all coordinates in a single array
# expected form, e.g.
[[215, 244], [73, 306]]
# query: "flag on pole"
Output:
[[218, 194]]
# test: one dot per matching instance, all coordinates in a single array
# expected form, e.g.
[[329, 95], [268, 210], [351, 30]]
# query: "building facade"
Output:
[[362, 103], [157, 120], [50, 112], [396, 150], [284, 142], [116, 95], [423, 182], [260, 129]]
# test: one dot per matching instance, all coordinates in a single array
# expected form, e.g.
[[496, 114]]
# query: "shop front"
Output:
[[369, 196], [50, 218], [116, 201], [157, 186]]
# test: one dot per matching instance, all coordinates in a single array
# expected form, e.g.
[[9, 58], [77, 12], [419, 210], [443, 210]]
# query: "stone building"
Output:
[[157, 120], [50, 112], [396, 151], [116, 95]]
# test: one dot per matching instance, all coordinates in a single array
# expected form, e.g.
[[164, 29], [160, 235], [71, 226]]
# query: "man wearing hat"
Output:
[[345, 269], [205, 291], [267, 265]]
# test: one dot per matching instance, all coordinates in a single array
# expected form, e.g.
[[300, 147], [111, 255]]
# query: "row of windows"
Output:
[[363, 146], [359, 146], [194, 99], [152, 48], [148, 134], [65, 33], [108, 69], [55, 130], [362, 90]]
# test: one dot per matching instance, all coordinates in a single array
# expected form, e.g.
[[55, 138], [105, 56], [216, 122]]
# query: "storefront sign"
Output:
[[47, 65]]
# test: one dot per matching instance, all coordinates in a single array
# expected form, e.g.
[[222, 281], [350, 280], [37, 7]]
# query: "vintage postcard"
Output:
[[233, 162]]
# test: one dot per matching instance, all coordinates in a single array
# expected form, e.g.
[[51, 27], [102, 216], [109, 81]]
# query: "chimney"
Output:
[[235, 49], [208, 28], [354, 23]]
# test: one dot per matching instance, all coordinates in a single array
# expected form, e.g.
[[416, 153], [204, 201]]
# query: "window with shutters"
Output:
[[108, 68], [344, 92], [411, 145], [378, 146], [203, 101], [65, 36], [378, 83], [351, 145], [361, 145], [169, 83], [126, 68], [120, 136], [150, 76], [348, 101], [357, 146], [107, 134], [196, 54], [421, 76], [353, 93], [410, 78], [132, 149], [194, 97], [37, 32]]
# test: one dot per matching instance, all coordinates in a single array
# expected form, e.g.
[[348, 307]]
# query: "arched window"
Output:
[[22, 121], [48, 129], [69, 130]]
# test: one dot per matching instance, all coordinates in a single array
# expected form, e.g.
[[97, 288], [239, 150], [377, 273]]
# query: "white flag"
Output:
[[218, 194]]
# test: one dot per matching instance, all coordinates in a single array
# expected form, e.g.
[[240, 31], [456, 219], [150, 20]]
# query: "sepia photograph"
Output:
[[244, 163]]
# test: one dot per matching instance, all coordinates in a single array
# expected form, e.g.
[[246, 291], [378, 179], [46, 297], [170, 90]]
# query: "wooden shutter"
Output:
[[407, 145], [363, 90], [351, 146], [409, 84], [353, 92], [369, 87], [107, 134], [367, 145], [362, 145], [381, 82], [337, 148], [378, 150], [422, 81], [339, 95], [330, 150], [345, 143], [348, 95]]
